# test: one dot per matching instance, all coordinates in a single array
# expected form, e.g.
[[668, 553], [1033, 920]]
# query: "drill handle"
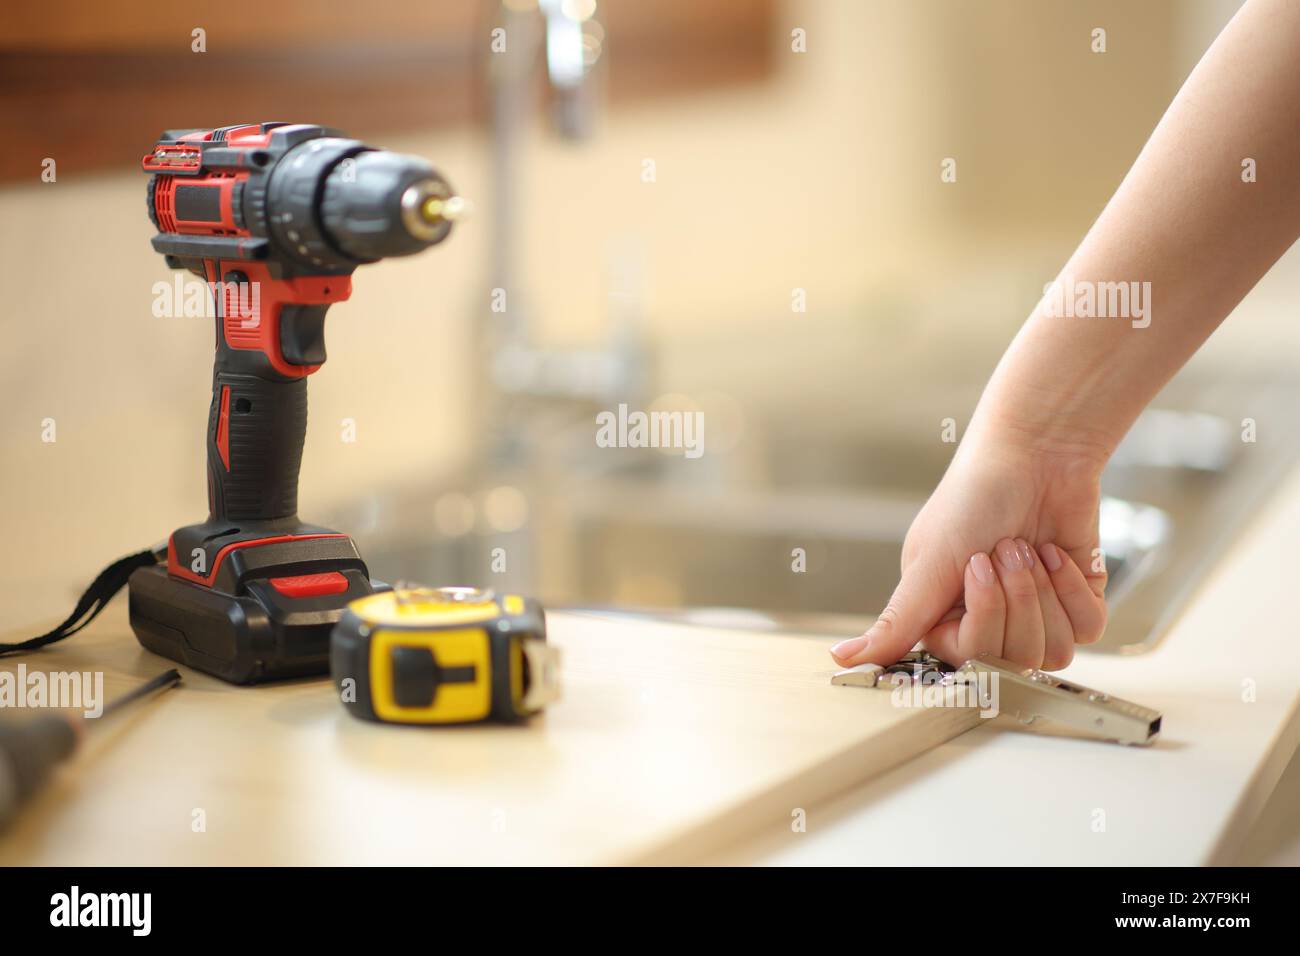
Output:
[[256, 429], [270, 337]]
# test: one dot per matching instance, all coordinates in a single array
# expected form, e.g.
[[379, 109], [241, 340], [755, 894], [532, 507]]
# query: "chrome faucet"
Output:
[[517, 374]]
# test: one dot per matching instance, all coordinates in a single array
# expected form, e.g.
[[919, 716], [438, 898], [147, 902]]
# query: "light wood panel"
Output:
[[670, 741]]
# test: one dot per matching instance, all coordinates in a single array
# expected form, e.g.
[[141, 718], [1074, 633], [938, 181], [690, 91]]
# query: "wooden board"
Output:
[[670, 742]]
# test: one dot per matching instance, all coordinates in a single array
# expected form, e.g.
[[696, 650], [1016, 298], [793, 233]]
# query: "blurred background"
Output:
[[655, 187]]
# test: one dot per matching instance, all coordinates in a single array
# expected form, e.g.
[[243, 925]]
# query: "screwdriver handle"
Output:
[[29, 752]]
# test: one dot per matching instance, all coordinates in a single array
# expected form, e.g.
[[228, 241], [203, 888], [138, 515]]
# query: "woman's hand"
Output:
[[1001, 559]]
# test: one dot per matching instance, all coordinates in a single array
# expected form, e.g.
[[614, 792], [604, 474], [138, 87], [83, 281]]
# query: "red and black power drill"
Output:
[[275, 217]]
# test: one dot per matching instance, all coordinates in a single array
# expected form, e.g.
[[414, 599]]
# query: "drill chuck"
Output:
[[378, 204], [334, 203]]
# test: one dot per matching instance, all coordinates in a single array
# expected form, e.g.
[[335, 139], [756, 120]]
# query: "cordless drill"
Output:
[[275, 217]]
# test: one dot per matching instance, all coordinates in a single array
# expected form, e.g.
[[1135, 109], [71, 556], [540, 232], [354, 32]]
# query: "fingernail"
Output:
[[1009, 555], [846, 649], [1051, 556], [1026, 552], [983, 568]]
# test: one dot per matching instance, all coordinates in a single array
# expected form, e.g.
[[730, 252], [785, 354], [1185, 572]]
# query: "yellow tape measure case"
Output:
[[443, 656]]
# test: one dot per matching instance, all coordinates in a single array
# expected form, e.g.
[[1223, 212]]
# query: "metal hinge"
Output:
[[999, 686]]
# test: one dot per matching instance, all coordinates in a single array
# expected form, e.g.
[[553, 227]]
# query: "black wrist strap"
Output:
[[96, 598]]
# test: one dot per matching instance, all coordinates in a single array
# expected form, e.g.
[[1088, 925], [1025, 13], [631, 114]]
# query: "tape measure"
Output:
[[443, 656]]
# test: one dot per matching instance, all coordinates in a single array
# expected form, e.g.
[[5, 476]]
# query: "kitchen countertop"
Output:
[[1227, 679], [668, 742]]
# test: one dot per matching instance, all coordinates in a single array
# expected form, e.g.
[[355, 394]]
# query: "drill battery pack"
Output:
[[265, 611]]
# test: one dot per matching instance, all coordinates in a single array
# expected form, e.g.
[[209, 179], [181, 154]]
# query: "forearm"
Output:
[[1184, 221]]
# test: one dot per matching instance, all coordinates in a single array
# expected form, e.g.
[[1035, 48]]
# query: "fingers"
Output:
[[1091, 563], [985, 622], [974, 624], [942, 641], [1058, 633], [1029, 608], [1023, 641], [918, 603], [1080, 596]]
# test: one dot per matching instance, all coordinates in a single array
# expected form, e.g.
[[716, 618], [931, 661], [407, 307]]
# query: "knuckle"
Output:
[[1096, 580], [1096, 616], [1027, 657], [1098, 627], [888, 618], [1071, 586], [973, 642], [1021, 589], [990, 600]]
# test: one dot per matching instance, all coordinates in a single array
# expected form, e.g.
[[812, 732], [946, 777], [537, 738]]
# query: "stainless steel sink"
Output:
[[636, 531]]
